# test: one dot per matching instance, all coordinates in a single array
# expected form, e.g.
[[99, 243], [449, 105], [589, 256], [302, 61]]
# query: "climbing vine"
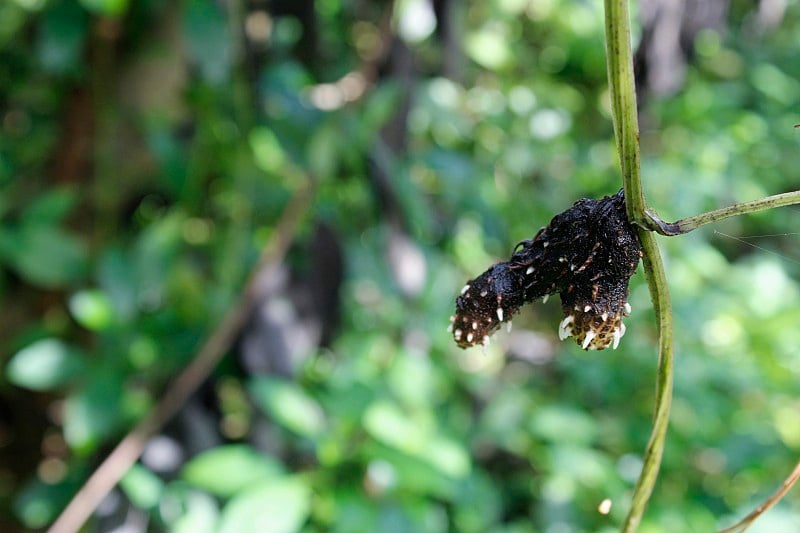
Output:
[[588, 253]]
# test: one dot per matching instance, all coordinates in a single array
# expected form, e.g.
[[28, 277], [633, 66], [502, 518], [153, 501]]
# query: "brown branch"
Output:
[[127, 452], [748, 520]]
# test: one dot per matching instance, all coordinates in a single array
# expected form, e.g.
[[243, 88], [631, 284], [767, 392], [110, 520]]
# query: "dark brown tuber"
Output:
[[587, 254]]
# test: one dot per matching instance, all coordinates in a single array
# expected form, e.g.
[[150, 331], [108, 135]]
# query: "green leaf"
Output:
[[289, 405], [51, 207], [152, 260], [489, 48], [267, 151], [208, 39], [48, 256], [92, 413], [91, 309], [14, 16], [324, 150], [61, 41], [142, 487], [413, 473], [561, 423], [200, 516], [117, 277], [226, 470], [106, 7], [38, 504], [390, 426], [412, 380], [30, 5], [447, 456], [277, 506], [380, 106], [8, 244], [44, 365]]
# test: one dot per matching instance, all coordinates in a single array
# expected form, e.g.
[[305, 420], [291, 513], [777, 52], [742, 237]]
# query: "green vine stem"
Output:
[[659, 293], [622, 90], [685, 225], [626, 130]]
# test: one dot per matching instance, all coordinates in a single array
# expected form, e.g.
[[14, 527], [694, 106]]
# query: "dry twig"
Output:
[[127, 452], [745, 523]]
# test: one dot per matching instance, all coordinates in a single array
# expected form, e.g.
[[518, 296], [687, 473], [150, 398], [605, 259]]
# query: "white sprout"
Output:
[[564, 330], [617, 337], [588, 340]]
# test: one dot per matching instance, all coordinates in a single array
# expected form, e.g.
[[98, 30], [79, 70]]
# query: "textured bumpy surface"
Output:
[[587, 254]]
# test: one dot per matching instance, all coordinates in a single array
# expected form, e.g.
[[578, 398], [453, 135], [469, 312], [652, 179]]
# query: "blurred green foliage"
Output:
[[148, 148]]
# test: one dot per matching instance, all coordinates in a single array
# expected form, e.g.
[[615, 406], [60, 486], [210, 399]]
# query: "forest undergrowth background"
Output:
[[148, 149]]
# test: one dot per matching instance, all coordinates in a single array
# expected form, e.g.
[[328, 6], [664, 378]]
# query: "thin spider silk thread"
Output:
[[757, 247], [766, 235]]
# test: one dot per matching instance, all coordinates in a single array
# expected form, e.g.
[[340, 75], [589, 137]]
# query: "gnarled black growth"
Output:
[[587, 254]]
